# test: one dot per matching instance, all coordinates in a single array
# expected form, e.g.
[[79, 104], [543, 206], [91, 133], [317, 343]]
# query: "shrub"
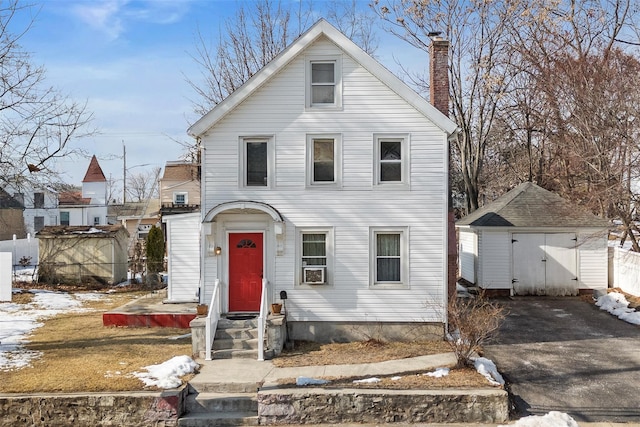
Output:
[[472, 321], [155, 250]]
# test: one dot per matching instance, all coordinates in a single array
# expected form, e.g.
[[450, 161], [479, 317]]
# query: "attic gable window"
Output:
[[324, 82]]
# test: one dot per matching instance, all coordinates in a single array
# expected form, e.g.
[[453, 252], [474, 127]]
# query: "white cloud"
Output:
[[114, 17]]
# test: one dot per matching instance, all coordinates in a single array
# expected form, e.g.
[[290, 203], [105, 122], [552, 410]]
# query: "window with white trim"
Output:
[[180, 199], [315, 256], [389, 257], [391, 157], [324, 160], [64, 218], [256, 161], [324, 82]]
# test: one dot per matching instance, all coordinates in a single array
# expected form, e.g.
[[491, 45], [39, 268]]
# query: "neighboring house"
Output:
[[183, 249], [11, 217], [180, 188], [40, 207], [326, 176], [137, 218], [88, 207], [80, 254], [531, 241]]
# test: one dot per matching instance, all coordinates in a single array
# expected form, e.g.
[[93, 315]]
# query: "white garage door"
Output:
[[544, 264]]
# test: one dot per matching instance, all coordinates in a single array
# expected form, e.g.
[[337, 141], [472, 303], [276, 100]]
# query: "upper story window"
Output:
[[324, 82], [324, 160], [391, 155], [256, 162], [38, 200], [180, 199], [65, 218]]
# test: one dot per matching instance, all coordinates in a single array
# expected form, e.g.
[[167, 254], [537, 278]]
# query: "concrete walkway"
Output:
[[246, 375]]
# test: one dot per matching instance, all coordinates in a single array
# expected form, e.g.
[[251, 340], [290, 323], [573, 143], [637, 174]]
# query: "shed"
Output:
[[183, 249], [531, 241], [81, 254]]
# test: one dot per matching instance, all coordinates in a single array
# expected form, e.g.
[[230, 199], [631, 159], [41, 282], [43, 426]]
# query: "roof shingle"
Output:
[[529, 205]]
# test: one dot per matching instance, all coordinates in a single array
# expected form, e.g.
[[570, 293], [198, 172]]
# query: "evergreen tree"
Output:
[[155, 250]]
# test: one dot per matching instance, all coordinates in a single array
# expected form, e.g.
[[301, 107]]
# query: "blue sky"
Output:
[[128, 61]]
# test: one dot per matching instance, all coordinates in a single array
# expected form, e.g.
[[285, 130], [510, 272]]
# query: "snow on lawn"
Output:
[[17, 321], [616, 304], [552, 419], [167, 374]]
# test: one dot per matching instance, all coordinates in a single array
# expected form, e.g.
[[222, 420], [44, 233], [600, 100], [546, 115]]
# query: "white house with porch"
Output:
[[324, 177]]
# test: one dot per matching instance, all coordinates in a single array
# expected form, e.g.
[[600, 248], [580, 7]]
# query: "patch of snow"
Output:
[[371, 380], [489, 370], [19, 321], [552, 419], [167, 374], [179, 337], [616, 304], [438, 373], [396, 378], [301, 381]]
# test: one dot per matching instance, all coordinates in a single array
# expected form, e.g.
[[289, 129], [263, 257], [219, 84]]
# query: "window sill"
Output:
[[389, 286]]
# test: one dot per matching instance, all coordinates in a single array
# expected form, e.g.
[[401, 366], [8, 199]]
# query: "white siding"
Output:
[[278, 110], [495, 260], [183, 247], [468, 253], [592, 260]]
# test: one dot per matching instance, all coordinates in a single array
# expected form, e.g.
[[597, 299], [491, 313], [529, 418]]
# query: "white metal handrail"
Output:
[[212, 320], [262, 320]]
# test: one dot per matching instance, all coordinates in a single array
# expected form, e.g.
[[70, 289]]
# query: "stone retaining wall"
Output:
[[159, 409], [316, 406]]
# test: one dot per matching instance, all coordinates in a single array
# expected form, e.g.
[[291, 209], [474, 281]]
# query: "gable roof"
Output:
[[321, 28], [180, 171], [94, 172], [529, 205]]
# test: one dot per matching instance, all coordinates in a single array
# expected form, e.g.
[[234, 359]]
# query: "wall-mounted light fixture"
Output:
[[218, 250]]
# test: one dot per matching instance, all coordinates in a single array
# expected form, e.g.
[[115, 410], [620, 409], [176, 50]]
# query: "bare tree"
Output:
[[143, 185], [257, 34], [477, 66], [37, 122]]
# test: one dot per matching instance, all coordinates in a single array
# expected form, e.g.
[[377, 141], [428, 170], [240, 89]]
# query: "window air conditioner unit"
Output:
[[313, 275]]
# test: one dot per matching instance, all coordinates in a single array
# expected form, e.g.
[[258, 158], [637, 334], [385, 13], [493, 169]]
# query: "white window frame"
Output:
[[337, 81], [242, 166], [68, 221], [337, 161], [404, 258], [330, 249], [405, 165], [96, 220], [181, 193]]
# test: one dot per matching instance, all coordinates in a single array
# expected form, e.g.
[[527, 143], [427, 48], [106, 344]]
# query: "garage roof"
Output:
[[529, 205]]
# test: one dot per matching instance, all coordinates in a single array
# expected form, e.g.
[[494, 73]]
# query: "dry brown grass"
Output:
[[312, 354], [79, 354]]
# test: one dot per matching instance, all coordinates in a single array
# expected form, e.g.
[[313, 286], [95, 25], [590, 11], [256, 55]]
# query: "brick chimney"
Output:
[[439, 74], [439, 96]]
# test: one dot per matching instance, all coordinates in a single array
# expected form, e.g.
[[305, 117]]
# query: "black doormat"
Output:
[[241, 316]]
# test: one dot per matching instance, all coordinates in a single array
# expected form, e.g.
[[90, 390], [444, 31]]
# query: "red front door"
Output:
[[245, 271]]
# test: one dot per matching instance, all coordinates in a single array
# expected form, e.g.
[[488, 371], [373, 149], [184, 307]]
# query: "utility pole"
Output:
[[124, 173]]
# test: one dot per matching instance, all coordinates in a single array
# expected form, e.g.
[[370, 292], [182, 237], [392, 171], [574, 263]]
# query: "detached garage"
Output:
[[531, 241]]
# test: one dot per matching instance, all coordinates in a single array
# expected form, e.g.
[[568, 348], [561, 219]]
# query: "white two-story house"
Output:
[[326, 176]]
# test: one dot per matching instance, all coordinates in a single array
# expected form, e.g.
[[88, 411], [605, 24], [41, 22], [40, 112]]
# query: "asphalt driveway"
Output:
[[565, 354]]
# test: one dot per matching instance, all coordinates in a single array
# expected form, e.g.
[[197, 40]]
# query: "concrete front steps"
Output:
[[226, 404], [236, 339], [211, 408]]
